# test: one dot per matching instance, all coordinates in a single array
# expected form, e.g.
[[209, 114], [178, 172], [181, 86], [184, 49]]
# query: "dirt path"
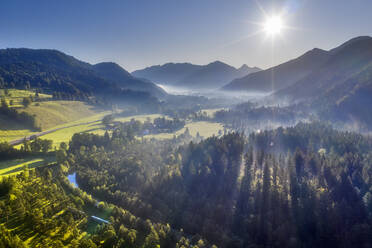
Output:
[[33, 136]]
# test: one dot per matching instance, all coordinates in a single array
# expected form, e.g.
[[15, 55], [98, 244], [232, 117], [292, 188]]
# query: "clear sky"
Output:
[[139, 33]]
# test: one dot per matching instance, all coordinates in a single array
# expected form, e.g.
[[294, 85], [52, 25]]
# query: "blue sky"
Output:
[[139, 33]]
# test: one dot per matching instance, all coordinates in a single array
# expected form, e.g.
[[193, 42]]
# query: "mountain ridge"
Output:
[[56, 71], [115, 73], [187, 75], [346, 61], [279, 76], [342, 88]]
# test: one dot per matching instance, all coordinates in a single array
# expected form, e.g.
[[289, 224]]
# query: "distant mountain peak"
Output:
[[210, 76], [112, 68], [243, 67], [218, 63], [286, 73], [317, 50], [107, 63], [359, 38], [314, 52]]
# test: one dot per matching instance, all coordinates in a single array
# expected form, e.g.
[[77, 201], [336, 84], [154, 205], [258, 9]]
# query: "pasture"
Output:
[[15, 166]]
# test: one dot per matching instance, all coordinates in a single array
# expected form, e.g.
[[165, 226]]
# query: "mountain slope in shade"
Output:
[[340, 90], [115, 73], [351, 100], [338, 75], [55, 71], [211, 76], [168, 74], [48, 69], [280, 76]]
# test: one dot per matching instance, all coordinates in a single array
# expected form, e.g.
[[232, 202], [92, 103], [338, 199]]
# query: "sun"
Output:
[[273, 25]]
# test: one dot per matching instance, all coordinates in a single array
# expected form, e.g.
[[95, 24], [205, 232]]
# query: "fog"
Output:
[[233, 97]]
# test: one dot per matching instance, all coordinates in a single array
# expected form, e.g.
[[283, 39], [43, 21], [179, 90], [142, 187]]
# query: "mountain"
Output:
[[349, 42], [168, 74], [336, 84], [55, 71], [115, 73], [280, 76], [245, 70], [210, 76], [341, 89], [350, 101], [338, 75]]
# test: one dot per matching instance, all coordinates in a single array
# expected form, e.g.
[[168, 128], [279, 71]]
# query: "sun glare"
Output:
[[273, 25]]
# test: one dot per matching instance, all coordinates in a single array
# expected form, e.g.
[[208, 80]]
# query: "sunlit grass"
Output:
[[16, 96], [65, 135], [90, 124], [10, 134], [93, 124], [15, 166], [52, 113]]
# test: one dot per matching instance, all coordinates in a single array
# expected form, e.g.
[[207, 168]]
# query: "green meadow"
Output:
[[15, 166]]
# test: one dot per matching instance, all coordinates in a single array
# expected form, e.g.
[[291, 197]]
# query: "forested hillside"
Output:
[[114, 73], [54, 71], [280, 76], [345, 64], [203, 154], [307, 186]]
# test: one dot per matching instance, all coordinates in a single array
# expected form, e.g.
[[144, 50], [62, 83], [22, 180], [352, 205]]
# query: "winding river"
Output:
[[72, 179]]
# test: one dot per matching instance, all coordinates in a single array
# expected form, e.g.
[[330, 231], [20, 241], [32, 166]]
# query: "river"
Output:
[[72, 179]]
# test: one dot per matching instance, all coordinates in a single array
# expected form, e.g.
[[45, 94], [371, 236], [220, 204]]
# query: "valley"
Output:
[[245, 159], [196, 124]]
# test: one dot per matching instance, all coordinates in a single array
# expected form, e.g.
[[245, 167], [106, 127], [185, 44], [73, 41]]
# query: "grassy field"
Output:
[[88, 124], [10, 129], [205, 129], [91, 124], [64, 135], [52, 113], [76, 117], [9, 135], [15, 166], [17, 96]]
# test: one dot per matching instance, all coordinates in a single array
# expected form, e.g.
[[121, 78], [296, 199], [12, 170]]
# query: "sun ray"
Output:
[[261, 8]]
